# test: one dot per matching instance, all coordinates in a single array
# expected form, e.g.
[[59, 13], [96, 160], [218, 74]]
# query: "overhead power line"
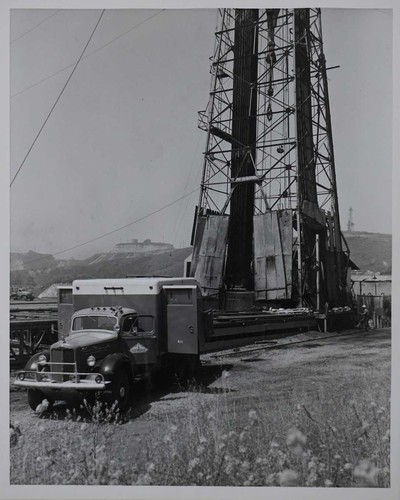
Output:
[[87, 55], [34, 27], [58, 98], [117, 229]]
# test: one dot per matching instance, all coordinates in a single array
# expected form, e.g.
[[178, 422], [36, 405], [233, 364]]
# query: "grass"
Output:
[[317, 439]]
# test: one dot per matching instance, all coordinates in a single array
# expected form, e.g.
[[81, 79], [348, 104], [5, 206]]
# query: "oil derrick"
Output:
[[350, 223], [267, 227]]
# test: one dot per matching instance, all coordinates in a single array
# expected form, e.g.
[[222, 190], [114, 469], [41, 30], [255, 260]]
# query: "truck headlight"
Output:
[[21, 376], [98, 379], [42, 360], [91, 361]]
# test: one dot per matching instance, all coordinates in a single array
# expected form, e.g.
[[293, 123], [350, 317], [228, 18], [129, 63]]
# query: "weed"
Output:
[[343, 442]]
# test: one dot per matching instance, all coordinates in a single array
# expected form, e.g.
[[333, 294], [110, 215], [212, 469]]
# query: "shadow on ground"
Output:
[[148, 391]]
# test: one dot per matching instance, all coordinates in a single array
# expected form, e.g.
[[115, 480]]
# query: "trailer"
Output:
[[114, 331]]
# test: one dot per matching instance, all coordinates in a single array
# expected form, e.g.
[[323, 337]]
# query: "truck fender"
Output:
[[112, 363], [32, 365]]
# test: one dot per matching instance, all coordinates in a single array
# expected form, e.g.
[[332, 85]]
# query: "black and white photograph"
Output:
[[199, 267]]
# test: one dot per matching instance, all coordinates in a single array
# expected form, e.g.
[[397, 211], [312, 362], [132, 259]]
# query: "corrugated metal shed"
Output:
[[371, 284]]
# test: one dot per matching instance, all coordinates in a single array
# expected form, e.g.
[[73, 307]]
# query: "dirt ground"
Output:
[[261, 378]]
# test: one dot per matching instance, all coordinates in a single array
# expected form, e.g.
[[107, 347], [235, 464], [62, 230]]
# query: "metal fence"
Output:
[[379, 307]]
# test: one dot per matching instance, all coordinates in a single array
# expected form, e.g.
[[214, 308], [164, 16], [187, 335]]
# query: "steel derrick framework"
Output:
[[269, 152]]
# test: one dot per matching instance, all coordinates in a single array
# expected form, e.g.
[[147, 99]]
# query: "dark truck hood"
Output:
[[86, 338]]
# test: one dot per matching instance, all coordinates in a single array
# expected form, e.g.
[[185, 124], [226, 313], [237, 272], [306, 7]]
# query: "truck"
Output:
[[22, 294], [111, 332]]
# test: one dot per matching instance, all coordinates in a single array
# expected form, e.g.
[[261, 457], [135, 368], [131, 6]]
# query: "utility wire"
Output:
[[88, 55], [36, 26], [58, 98], [118, 229], [193, 168]]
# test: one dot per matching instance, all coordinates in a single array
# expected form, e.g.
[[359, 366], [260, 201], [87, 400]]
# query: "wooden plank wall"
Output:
[[273, 244], [198, 237], [211, 258]]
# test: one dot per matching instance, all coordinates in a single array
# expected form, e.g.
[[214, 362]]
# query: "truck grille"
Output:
[[57, 358]]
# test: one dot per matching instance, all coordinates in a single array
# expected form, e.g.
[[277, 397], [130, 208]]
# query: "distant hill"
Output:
[[370, 251], [31, 260], [111, 265]]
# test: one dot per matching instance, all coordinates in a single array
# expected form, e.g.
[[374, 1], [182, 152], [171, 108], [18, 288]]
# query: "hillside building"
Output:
[[145, 247]]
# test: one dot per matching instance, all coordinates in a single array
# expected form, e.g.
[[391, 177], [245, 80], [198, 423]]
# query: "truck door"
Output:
[[181, 312], [65, 310]]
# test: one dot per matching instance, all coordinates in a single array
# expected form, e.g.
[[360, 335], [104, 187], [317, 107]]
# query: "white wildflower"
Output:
[[193, 463], [296, 440], [242, 436], [167, 439], [253, 415], [288, 477], [366, 472]]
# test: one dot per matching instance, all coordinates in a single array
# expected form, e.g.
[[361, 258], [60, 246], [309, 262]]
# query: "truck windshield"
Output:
[[94, 323]]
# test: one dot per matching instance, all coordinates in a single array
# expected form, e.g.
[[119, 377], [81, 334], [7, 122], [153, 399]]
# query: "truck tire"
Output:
[[121, 389], [36, 397]]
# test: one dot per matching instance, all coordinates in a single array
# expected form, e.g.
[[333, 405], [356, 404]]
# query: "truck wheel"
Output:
[[121, 389], [35, 398]]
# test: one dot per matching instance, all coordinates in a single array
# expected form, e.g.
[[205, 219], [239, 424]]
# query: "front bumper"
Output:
[[48, 381], [83, 385]]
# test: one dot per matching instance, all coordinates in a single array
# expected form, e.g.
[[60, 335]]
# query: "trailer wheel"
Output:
[[35, 398], [121, 389]]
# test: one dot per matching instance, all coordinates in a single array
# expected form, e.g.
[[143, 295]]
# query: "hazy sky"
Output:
[[122, 142]]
